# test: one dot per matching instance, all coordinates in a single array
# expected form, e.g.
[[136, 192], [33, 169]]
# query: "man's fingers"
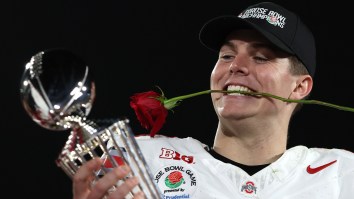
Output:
[[85, 186], [125, 188], [109, 180], [83, 178]]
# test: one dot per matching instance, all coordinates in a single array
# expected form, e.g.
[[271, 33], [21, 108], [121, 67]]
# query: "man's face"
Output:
[[248, 61]]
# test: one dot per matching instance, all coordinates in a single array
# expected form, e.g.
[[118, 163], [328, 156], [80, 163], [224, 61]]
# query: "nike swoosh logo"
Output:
[[317, 169]]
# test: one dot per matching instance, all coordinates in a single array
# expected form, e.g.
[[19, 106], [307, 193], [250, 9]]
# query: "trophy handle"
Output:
[[117, 146]]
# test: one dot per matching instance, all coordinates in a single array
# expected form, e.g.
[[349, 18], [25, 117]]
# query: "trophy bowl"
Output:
[[55, 84], [57, 92]]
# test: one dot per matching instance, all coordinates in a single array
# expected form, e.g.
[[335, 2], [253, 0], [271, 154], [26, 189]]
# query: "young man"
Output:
[[266, 48]]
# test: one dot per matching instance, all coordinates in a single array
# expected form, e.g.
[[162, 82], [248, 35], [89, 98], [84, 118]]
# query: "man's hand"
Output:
[[84, 188]]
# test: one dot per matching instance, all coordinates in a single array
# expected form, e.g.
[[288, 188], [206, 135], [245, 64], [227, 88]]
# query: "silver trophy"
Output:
[[57, 92]]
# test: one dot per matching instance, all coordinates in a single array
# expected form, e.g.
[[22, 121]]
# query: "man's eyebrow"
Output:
[[228, 44], [271, 48], [253, 45], [265, 45]]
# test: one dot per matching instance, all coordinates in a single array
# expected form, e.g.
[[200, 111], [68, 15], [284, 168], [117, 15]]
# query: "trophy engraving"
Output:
[[57, 91]]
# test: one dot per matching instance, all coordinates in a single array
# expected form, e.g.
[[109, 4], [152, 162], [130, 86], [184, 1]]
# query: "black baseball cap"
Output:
[[280, 26]]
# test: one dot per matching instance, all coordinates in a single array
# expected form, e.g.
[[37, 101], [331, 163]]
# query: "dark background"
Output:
[[131, 47]]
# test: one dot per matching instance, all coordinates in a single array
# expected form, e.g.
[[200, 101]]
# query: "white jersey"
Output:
[[183, 168]]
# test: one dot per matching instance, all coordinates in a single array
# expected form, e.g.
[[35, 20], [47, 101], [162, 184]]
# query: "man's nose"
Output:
[[239, 65]]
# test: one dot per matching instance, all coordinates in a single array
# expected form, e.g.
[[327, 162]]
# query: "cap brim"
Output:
[[214, 32]]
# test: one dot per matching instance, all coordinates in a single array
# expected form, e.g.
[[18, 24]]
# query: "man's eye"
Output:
[[227, 57], [260, 59]]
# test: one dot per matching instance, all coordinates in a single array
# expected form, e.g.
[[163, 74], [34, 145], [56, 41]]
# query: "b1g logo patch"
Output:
[[248, 188], [176, 181], [174, 155]]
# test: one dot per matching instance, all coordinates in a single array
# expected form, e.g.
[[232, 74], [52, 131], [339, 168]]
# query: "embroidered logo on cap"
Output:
[[271, 16]]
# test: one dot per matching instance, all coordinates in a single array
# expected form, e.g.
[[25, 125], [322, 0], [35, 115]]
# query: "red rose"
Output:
[[175, 177], [149, 110]]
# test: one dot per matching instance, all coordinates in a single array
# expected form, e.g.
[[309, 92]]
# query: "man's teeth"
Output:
[[237, 88]]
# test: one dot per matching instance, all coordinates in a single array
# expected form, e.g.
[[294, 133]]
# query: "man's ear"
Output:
[[303, 87]]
